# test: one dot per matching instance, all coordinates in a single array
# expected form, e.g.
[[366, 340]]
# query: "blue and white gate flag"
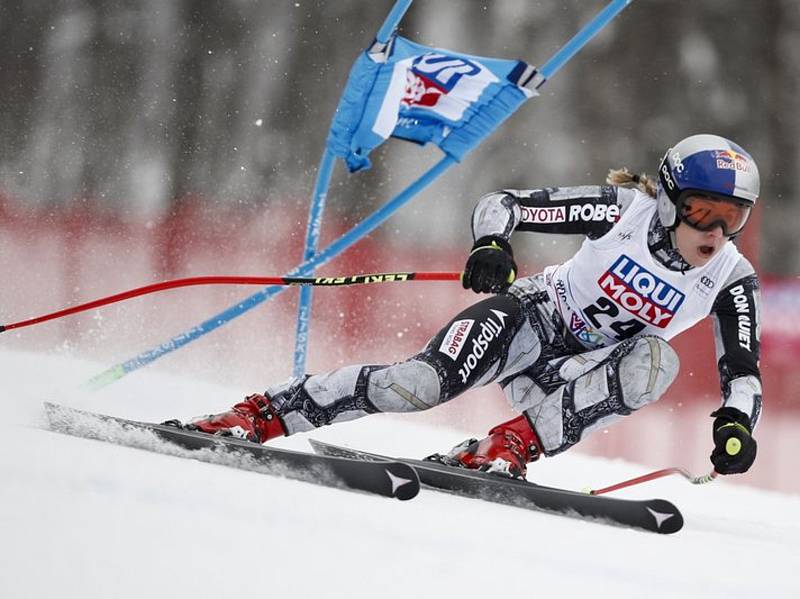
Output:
[[405, 90]]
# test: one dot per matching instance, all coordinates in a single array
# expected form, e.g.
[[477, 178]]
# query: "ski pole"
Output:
[[695, 480], [363, 279]]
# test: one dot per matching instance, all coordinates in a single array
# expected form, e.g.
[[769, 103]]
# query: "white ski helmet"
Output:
[[715, 171]]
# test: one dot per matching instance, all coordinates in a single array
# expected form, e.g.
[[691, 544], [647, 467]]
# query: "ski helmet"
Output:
[[707, 181]]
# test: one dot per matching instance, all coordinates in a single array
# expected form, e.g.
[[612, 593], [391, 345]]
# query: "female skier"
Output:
[[583, 343]]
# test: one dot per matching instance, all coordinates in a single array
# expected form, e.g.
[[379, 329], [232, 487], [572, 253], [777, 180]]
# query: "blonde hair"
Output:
[[622, 176]]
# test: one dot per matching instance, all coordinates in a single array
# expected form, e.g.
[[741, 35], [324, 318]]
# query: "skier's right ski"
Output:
[[655, 515], [389, 478]]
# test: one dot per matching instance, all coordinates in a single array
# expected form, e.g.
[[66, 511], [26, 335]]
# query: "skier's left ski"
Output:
[[655, 515], [389, 478]]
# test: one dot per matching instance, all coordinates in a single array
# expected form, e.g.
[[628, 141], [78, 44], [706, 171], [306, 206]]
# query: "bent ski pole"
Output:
[[364, 279], [695, 480]]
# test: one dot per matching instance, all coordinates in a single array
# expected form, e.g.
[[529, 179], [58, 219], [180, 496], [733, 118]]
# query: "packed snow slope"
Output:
[[83, 518]]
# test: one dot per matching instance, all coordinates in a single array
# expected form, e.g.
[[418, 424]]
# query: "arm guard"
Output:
[[737, 312], [586, 210]]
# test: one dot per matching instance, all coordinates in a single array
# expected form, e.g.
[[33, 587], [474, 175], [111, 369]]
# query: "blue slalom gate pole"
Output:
[[583, 37], [312, 239], [561, 57], [393, 20], [316, 209]]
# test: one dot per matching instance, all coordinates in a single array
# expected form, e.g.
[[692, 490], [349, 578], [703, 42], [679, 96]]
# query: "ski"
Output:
[[390, 478], [655, 515]]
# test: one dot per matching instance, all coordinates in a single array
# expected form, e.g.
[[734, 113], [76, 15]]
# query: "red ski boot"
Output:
[[253, 419], [507, 450]]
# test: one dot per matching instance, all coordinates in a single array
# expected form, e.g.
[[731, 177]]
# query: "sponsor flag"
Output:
[[425, 95]]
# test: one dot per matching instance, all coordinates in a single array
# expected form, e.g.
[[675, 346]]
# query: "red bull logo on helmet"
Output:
[[733, 161], [640, 292]]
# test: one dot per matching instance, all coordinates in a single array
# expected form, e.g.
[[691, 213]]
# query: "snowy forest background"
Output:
[[139, 103]]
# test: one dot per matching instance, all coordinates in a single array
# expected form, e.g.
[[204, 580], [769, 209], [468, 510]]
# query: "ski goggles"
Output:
[[704, 213]]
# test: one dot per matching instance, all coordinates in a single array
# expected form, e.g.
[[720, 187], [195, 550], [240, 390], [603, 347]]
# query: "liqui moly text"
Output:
[[641, 292]]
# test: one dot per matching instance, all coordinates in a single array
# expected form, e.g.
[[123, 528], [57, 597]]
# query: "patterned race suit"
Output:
[[571, 367]]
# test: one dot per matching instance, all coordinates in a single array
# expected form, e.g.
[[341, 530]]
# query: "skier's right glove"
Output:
[[734, 446], [490, 267]]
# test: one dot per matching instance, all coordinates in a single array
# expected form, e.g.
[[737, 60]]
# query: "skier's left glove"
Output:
[[734, 446]]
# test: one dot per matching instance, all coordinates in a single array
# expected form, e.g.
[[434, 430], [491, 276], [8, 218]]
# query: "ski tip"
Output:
[[668, 518], [404, 480]]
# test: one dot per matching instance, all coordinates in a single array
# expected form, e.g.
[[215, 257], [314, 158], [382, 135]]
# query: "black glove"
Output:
[[490, 267], [734, 447]]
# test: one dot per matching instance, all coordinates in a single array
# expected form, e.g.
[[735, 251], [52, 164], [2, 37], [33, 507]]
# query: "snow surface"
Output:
[[83, 518]]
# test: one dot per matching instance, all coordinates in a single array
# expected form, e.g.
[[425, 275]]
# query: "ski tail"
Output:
[[655, 515]]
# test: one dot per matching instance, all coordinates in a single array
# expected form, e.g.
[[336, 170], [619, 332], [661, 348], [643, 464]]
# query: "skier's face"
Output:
[[698, 247]]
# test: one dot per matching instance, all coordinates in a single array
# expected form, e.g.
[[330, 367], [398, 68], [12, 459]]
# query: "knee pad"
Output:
[[646, 371], [354, 391], [599, 387], [409, 386], [644, 367]]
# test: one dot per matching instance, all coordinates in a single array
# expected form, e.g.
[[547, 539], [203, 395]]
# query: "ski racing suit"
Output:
[[575, 347]]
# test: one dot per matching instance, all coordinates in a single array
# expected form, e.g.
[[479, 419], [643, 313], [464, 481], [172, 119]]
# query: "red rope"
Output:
[[227, 280]]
